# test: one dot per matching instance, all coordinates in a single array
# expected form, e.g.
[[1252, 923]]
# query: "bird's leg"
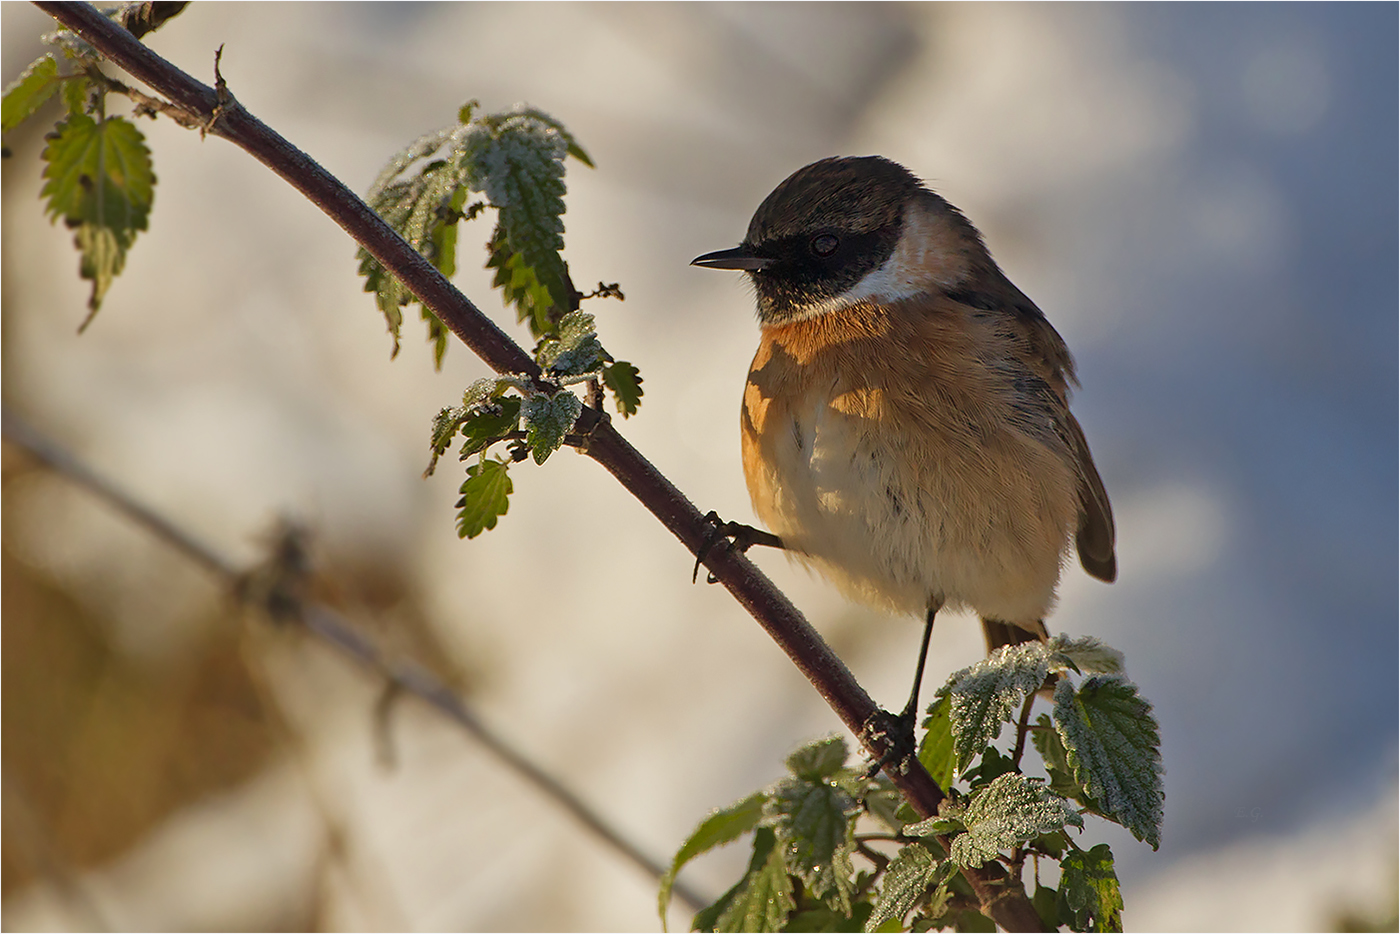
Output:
[[898, 731], [739, 536]]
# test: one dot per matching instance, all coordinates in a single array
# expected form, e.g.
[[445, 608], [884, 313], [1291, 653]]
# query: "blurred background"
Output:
[[1201, 198]]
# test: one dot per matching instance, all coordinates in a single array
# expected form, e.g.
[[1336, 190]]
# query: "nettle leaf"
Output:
[[485, 498], [818, 761], [1089, 898], [99, 180], [445, 425], [547, 420], [814, 821], [1085, 655], [75, 93], [1113, 745], [989, 693], [423, 209], [883, 801], [489, 422], [1057, 768], [908, 877], [29, 92], [626, 385], [763, 898], [936, 747], [1013, 808], [517, 159], [575, 350], [722, 826]]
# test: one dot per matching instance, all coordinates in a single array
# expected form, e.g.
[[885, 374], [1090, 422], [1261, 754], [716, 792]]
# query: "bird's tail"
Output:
[[999, 633]]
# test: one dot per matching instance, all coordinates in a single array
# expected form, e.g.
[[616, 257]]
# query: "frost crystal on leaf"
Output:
[[983, 697], [1085, 654], [1011, 809], [1112, 743]]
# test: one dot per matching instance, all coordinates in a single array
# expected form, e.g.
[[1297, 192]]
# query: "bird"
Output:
[[905, 426]]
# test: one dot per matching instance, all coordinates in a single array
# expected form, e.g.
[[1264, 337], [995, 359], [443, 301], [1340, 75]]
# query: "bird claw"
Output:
[[892, 733], [736, 535]]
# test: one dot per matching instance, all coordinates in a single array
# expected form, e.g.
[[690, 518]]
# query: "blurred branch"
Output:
[[402, 677], [223, 116]]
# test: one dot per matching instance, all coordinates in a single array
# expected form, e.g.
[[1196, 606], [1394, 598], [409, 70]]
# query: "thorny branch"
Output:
[[271, 594], [227, 118]]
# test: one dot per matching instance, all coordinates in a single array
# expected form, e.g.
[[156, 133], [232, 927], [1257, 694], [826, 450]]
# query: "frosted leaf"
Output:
[[1112, 742], [983, 697], [1010, 810], [1085, 654]]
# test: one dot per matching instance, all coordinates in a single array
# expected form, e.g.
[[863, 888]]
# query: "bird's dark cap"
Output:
[[858, 194]]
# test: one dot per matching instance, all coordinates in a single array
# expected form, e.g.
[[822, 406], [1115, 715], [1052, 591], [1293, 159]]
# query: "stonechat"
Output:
[[905, 426]]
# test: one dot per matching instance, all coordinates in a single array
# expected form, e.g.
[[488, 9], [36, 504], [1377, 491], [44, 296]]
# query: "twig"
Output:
[[754, 591], [1022, 726], [331, 628]]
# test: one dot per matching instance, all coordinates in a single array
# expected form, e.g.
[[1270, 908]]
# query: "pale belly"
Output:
[[906, 519]]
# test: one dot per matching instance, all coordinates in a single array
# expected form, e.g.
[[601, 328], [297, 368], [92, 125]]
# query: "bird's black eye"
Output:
[[824, 244]]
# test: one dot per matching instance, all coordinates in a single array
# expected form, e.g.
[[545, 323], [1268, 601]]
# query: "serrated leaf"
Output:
[[1089, 897], [1057, 768], [814, 822], [820, 760], [547, 420], [445, 425], [517, 159], [1113, 745], [485, 498], [909, 875], [27, 93], [763, 899], [626, 385], [99, 180], [575, 350], [722, 826], [989, 693], [936, 746], [1011, 809], [423, 209], [489, 422], [938, 824], [1085, 654]]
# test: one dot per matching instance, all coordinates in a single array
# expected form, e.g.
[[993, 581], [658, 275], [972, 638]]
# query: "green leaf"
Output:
[[814, 822], [445, 425], [908, 877], [1052, 752], [576, 350], [489, 421], [969, 919], [818, 761], [1086, 654], [883, 801], [75, 94], [547, 420], [764, 898], [1089, 898], [517, 159], [988, 694], [936, 747], [722, 826], [99, 180], [1045, 903], [626, 385], [1011, 809], [1112, 743], [485, 498], [28, 92], [992, 765], [940, 824], [423, 209]]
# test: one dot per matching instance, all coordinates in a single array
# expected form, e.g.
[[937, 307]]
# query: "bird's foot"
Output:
[[892, 736], [736, 535]]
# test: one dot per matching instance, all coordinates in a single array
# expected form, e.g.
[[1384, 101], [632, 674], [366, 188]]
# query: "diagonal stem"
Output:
[[226, 118]]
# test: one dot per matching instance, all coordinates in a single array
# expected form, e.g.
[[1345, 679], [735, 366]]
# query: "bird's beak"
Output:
[[741, 257]]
